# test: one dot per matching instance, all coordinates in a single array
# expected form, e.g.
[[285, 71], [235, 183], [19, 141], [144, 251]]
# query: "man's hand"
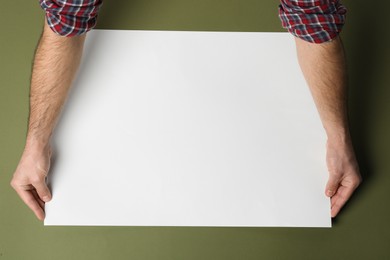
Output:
[[29, 179], [324, 68], [56, 61], [344, 176]]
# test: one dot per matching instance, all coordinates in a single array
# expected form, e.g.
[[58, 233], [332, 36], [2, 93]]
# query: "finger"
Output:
[[42, 190], [29, 199], [340, 198], [332, 185], [334, 210], [36, 196]]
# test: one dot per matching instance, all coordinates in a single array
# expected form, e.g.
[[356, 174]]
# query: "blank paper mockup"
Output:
[[189, 128]]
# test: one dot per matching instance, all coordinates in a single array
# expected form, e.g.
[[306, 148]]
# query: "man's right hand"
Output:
[[55, 64], [29, 178]]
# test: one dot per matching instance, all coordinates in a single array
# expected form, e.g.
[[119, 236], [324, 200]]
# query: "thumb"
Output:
[[41, 187], [43, 191], [332, 185]]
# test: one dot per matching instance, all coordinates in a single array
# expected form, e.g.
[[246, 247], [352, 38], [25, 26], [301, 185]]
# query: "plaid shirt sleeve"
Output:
[[71, 17], [315, 21]]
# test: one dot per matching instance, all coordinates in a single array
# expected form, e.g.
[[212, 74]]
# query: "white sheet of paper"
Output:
[[189, 128]]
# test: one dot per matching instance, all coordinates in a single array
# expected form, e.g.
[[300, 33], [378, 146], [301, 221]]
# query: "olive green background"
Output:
[[362, 230]]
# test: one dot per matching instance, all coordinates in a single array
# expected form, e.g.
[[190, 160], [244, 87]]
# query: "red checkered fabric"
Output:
[[71, 17], [315, 21]]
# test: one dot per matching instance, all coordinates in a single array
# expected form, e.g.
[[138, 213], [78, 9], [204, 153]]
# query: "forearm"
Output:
[[316, 27], [55, 65], [324, 68]]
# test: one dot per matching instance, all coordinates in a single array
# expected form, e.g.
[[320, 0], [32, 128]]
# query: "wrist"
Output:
[[35, 144], [339, 141], [338, 135]]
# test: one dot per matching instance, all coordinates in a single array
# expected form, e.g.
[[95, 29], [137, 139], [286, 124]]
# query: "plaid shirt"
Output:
[[71, 17], [314, 21]]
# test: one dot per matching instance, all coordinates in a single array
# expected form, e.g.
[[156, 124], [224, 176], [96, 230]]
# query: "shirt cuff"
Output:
[[315, 21], [71, 17]]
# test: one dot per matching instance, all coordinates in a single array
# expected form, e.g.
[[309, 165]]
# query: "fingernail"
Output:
[[330, 193], [46, 198]]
